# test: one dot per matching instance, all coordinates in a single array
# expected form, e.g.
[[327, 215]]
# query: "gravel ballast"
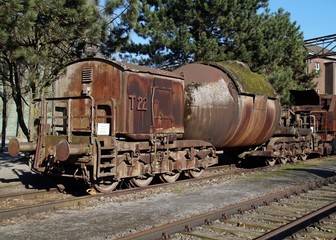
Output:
[[113, 217]]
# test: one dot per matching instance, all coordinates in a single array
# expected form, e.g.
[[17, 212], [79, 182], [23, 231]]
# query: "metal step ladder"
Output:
[[106, 160]]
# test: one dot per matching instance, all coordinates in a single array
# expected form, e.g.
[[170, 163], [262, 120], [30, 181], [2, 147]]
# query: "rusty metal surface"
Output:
[[131, 67], [14, 147], [320, 108], [64, 150], [147, 101], [258, 121], [154, 104], [96, 103], [218, 113]]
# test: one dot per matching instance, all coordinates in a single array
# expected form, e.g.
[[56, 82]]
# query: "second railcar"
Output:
[[316, 113], [229, 105]]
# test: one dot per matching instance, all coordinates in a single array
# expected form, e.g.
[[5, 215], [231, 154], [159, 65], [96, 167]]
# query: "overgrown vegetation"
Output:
[[183, 31], [250, 82]]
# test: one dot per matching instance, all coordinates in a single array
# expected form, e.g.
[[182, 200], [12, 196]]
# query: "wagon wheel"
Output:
[[270, 161], [293, 158], [303, 157], [193, 173], [169, 178], [140, 182], [283, 160], [105, 186]]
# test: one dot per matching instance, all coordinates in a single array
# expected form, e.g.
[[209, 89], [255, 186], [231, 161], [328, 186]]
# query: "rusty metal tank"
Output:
[[228, 105]]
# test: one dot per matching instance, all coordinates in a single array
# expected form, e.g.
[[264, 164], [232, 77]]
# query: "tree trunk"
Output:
[[17, 96], [4, 119]]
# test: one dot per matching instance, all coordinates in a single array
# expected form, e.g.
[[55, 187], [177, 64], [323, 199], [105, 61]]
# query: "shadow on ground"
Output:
[[317, 172], [16, 170]]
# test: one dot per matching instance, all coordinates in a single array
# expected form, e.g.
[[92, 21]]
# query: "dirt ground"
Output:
[[112, 218], [13, 172]]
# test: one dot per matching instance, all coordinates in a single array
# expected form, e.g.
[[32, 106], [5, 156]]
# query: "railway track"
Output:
[[311, 207], [29, 203], [17, 198]]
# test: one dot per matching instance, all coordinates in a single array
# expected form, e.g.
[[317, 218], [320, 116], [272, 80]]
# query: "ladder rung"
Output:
[[107, 147], [105, 174], [107, 156], [106, 165]]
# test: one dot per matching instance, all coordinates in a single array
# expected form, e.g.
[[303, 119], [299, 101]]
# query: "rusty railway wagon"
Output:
[[238, 111], [229, 105], [314, 115], [109, 121], [307, 128]]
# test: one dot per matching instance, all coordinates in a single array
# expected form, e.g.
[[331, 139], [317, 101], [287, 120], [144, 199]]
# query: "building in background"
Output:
[[13, 129], [322, 59]]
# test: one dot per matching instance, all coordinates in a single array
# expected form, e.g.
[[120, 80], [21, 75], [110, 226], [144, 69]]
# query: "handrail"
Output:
[[68, 101]]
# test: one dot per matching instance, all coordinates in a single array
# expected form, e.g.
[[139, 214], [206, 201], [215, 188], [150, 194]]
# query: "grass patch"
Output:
[[179, 188], [281, 169], [262, 175]]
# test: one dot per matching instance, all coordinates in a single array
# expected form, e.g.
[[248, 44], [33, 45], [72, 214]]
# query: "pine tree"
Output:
[[121, 18], [183, 31]]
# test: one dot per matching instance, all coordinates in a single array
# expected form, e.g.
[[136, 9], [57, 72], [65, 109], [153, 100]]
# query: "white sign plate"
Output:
[[103, 129]]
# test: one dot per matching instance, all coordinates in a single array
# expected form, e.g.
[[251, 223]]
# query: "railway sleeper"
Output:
[[204, 235], [253, 223], [287, 215], [230, 229], [315, 235]]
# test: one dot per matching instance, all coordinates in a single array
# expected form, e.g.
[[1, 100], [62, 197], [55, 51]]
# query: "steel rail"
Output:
[[298, 224], [82, 200], [187, 224], [31, 194], [40, 207]]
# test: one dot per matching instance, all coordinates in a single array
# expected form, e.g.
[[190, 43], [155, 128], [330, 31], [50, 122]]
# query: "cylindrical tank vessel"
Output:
[[228, 105]]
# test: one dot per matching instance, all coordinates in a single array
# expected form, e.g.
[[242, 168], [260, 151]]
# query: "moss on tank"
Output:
[[247, 81]]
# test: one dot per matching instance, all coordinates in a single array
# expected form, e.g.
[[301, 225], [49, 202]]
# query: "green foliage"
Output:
[[39, 37], [182, 31], [121, 18], [42, 36], [281, 79]]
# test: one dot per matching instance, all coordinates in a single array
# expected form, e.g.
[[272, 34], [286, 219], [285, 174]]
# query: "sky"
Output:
[[316, 18]]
